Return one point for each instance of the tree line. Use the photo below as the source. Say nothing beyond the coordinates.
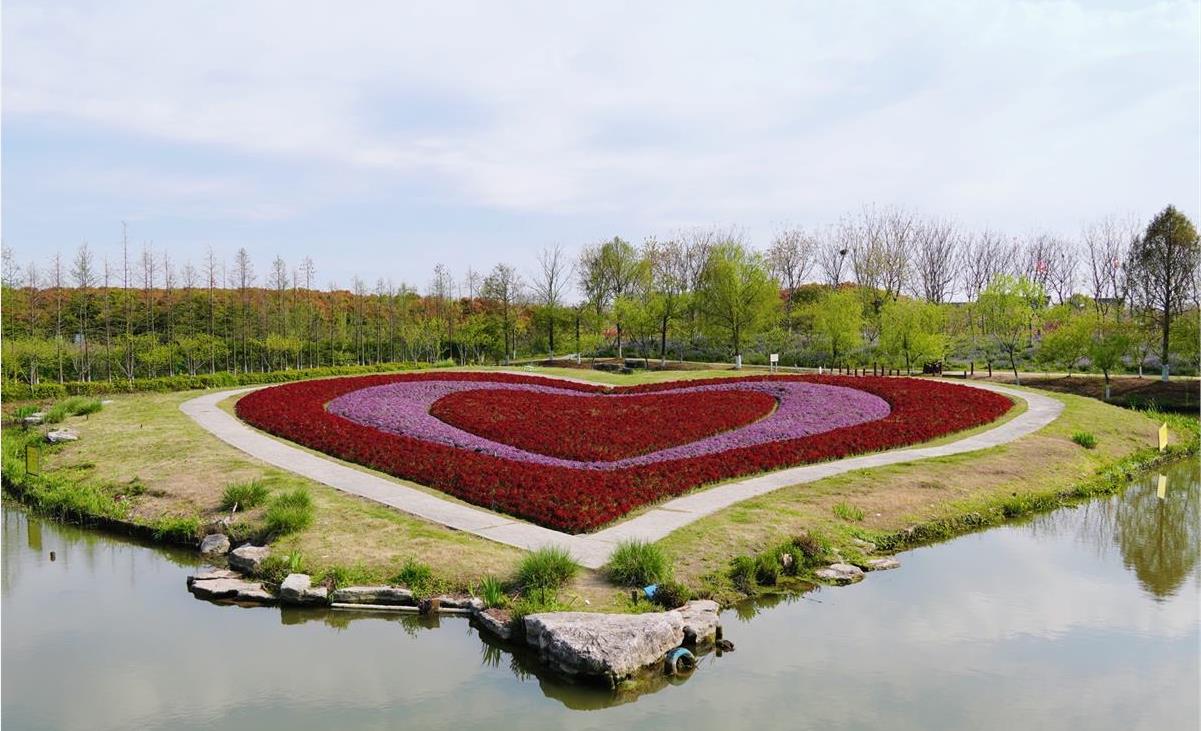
(884, 288)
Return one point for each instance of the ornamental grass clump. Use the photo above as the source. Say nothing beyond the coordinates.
(244, 495)
(547, 569)
(638, 563)
(846, 511)
(55, 414)
(418, 577)
(289, 512)
(82, 405)
(1085, 439)
(492, 591)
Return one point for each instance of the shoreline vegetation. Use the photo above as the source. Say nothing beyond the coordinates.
(142, 467)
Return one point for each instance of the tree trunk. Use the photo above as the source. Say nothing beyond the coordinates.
(663, 342)
(1164, 358)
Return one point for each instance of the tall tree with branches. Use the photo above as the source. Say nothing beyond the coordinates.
(554, 270)
(1163, 270)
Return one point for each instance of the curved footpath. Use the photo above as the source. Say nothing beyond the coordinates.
(591, 549)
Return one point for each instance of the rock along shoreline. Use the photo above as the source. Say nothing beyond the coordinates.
(587, 647)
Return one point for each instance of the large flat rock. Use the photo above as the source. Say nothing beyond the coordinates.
(299, 589)
(236, 589)
(700, 621)
(611, 647)
(249, 559)
(840, 573)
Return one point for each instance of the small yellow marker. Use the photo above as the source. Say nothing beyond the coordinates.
(33, 459)
(1163, 436)
(1162, 491)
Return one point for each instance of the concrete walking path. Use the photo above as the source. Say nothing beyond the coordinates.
(591, 549)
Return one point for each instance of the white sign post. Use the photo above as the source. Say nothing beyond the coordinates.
(775, 361)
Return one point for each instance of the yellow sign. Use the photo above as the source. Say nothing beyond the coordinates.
(33, 459)
(1163, 436)
(1162, 492)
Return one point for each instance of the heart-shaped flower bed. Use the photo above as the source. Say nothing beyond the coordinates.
(574, 456)
(595, 428)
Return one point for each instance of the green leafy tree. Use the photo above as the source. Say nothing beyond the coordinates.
(1109, 342)
(738, 297)
(912, 331)
(1185, 340)
(1007, 308)
(837, 323)
(1067, 338)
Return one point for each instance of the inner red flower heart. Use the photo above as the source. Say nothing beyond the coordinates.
(596, 428)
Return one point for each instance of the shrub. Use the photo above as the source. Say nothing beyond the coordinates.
(796, 558)
(846, 511)
(547, 568)
(289, 512)
(638, 563)
(814, 547)
(244, 495)
(767, 568)
(742, 573)
(671, 594)
(492, 591)
(1085, 439)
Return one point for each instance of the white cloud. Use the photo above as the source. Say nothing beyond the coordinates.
(1016, 115)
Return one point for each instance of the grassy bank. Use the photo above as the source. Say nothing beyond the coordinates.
(142, 465)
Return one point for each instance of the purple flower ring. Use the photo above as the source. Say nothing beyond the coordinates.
(804, 409)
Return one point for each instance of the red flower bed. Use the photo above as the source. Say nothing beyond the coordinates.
(588, 429)
(578, 499)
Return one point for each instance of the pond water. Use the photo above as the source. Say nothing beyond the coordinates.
(1081, 618)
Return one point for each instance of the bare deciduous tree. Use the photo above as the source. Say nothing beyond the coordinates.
(984, 256)
(1107, 243)
(83, 271)
(832, 252)
(790, 258)
(880, 254)
(1051, 263)
(936, 260)
(504, 285)
(554, 269)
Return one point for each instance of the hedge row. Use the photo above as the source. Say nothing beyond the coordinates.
(14, 391)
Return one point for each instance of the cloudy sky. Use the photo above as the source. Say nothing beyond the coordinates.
(382, 139)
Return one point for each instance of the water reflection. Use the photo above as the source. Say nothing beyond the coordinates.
(1083, 618)
(1159, 540)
